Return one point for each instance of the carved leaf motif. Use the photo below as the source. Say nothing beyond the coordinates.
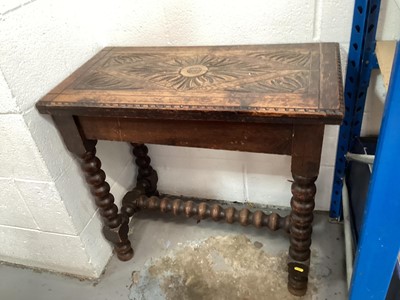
(296, 58)
(174, 74)
(126, 59)
(100, 81)
(201, 72)
(282, 84)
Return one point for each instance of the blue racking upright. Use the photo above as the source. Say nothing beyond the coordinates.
(379, 244)
(361, 61)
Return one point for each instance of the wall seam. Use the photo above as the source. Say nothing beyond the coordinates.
(31, 181)
(18, 109)
(245, 183)
(17, 7)
(39, 231)
(317, 20)
(53, 179)
(26, 205)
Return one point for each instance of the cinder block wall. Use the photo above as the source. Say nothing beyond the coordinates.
(47, 218)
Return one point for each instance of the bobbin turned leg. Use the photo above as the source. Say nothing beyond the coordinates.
(303, 190)
(146, 182)
(147, 177)
(306, 153)
(115, 225)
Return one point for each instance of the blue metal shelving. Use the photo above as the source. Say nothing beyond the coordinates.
(361, 61)
(379, 243)
(380, 235)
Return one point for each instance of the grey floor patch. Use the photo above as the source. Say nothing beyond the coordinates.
(178, 258)
(222, 267)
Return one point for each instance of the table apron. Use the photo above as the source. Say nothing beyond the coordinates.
(249, 137)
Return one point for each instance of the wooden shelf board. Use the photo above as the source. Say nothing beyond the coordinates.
(385, 54)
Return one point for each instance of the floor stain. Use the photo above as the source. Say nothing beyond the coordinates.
(258, 245)
(222, 267)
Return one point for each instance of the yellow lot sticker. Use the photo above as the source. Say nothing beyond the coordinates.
(298, 269)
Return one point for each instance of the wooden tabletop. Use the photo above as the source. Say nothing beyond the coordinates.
(284, 83)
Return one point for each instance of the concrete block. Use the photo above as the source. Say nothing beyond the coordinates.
(13, 210)
(263, 179)
(324, 188)
(34, 42)
(56, 252)
(115, 157)
(125, 181)
(49, 142)
(269, 188)
(7, 101)
(19, 156)
(165, 152)
(268, 179)
(328, 155)
(336, 20)
(76, 196)
(96, 246)
(199, 177)
(46, 206)
(389, 21)
(331, 131)
(230, 22)
(8, 5)
(140, 23)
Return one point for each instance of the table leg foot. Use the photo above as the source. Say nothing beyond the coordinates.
(124, 251)
(119, 238)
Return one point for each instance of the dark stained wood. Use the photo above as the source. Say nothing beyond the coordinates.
(235, 83)
(203, 210)
(264, 98)
(147, 177)
(115, 227)
(251, 137)
(72, 136)
(306, 149)
(306, 155)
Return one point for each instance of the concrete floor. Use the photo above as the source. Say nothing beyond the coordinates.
(180, 259)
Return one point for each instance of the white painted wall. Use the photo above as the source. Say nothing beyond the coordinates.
(47, 218)
(222, 174)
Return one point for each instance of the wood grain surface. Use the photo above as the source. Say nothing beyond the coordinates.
(263, 98)
(251, 137)
(237, 83)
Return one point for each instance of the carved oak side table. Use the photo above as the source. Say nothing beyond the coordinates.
(264, 98)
